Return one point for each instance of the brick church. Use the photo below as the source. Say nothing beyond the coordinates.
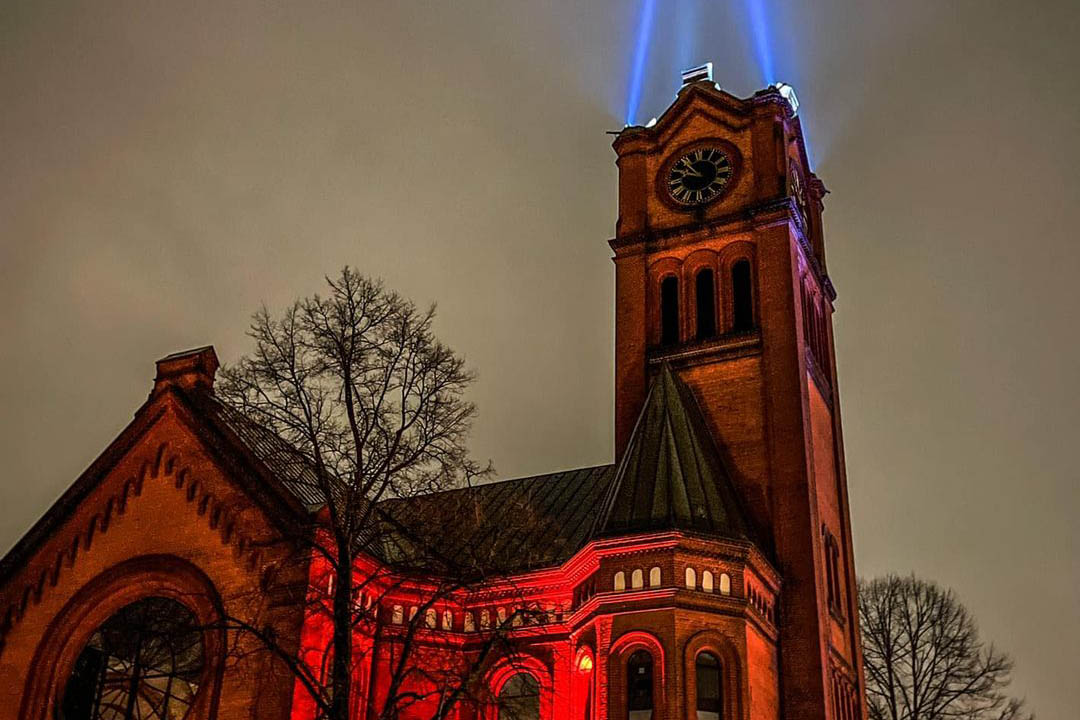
(706, 573)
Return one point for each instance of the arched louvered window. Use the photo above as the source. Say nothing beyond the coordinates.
(519, 698)
(669, 310)
(639, 686)
(742, 294)
(705, 294)
(707, 670)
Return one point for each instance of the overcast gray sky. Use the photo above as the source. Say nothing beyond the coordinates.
(166, 167)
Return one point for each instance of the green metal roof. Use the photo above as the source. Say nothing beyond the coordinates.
(671, 476)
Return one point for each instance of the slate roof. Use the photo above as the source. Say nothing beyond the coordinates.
(671, 476)
(508, 526)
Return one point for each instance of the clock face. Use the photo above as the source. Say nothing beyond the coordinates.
(699, 176)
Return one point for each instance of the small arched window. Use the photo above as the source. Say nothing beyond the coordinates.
(637, 579)
(398, 615)
(469, 624)
(691, 579)
(519, 698)
(500, 614)
(430, 618)
(654, 577)
(447, 620)
(485, 619)
(669, 310)
(412, 612)
(742, 296)
(707, 669)
(725, 584)
(620, 581)
(705, 290)
(707, 581)
(639, 686)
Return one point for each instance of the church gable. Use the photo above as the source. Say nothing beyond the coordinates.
(160, 488)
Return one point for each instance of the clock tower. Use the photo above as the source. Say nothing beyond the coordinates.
(721, 277)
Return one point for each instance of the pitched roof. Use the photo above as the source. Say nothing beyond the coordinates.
(671, 476)
(504, 527)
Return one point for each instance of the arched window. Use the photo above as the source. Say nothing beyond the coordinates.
(637, 579)
(485, 619)
(620, 581)
(430, 618)
(742, 295)
(707, 669)
(500, 614)
(707, 581)
(669, 310)
(469, 624)
(654, 577)
(706, 304)
(725, 584)
(691, 579)
(146, 661)
(398, 615)
(639, 686)
(519, 698)
(447, 620)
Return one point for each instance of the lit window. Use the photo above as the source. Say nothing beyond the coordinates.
(725, 584)
(654, 577)
(485, 620)
(637, 579)
(430, 618)
(146, 661)
(447, 620)
(707, 581)
(620, 581)
(398, 615)
(691, 579)
(469, 622)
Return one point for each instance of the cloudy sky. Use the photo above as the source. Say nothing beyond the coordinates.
(167, 167)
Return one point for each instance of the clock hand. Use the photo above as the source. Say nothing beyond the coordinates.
(688, 169)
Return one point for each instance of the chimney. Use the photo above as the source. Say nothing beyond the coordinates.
(694, 74)
(189, 370)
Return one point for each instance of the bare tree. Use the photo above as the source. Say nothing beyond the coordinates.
(357, 382)
(923, 657)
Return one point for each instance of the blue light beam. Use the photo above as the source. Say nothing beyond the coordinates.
(641, 53)
(759, 29)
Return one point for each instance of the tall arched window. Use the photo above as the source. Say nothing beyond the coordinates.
(639, 686)
(637, 579)
(725, 584)
(707, 669)
(654, 577)
(742, 295)
(669, 310)
(519, 698)
(620, 581)
(146, 661)
(706, 304)
(691, 579)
